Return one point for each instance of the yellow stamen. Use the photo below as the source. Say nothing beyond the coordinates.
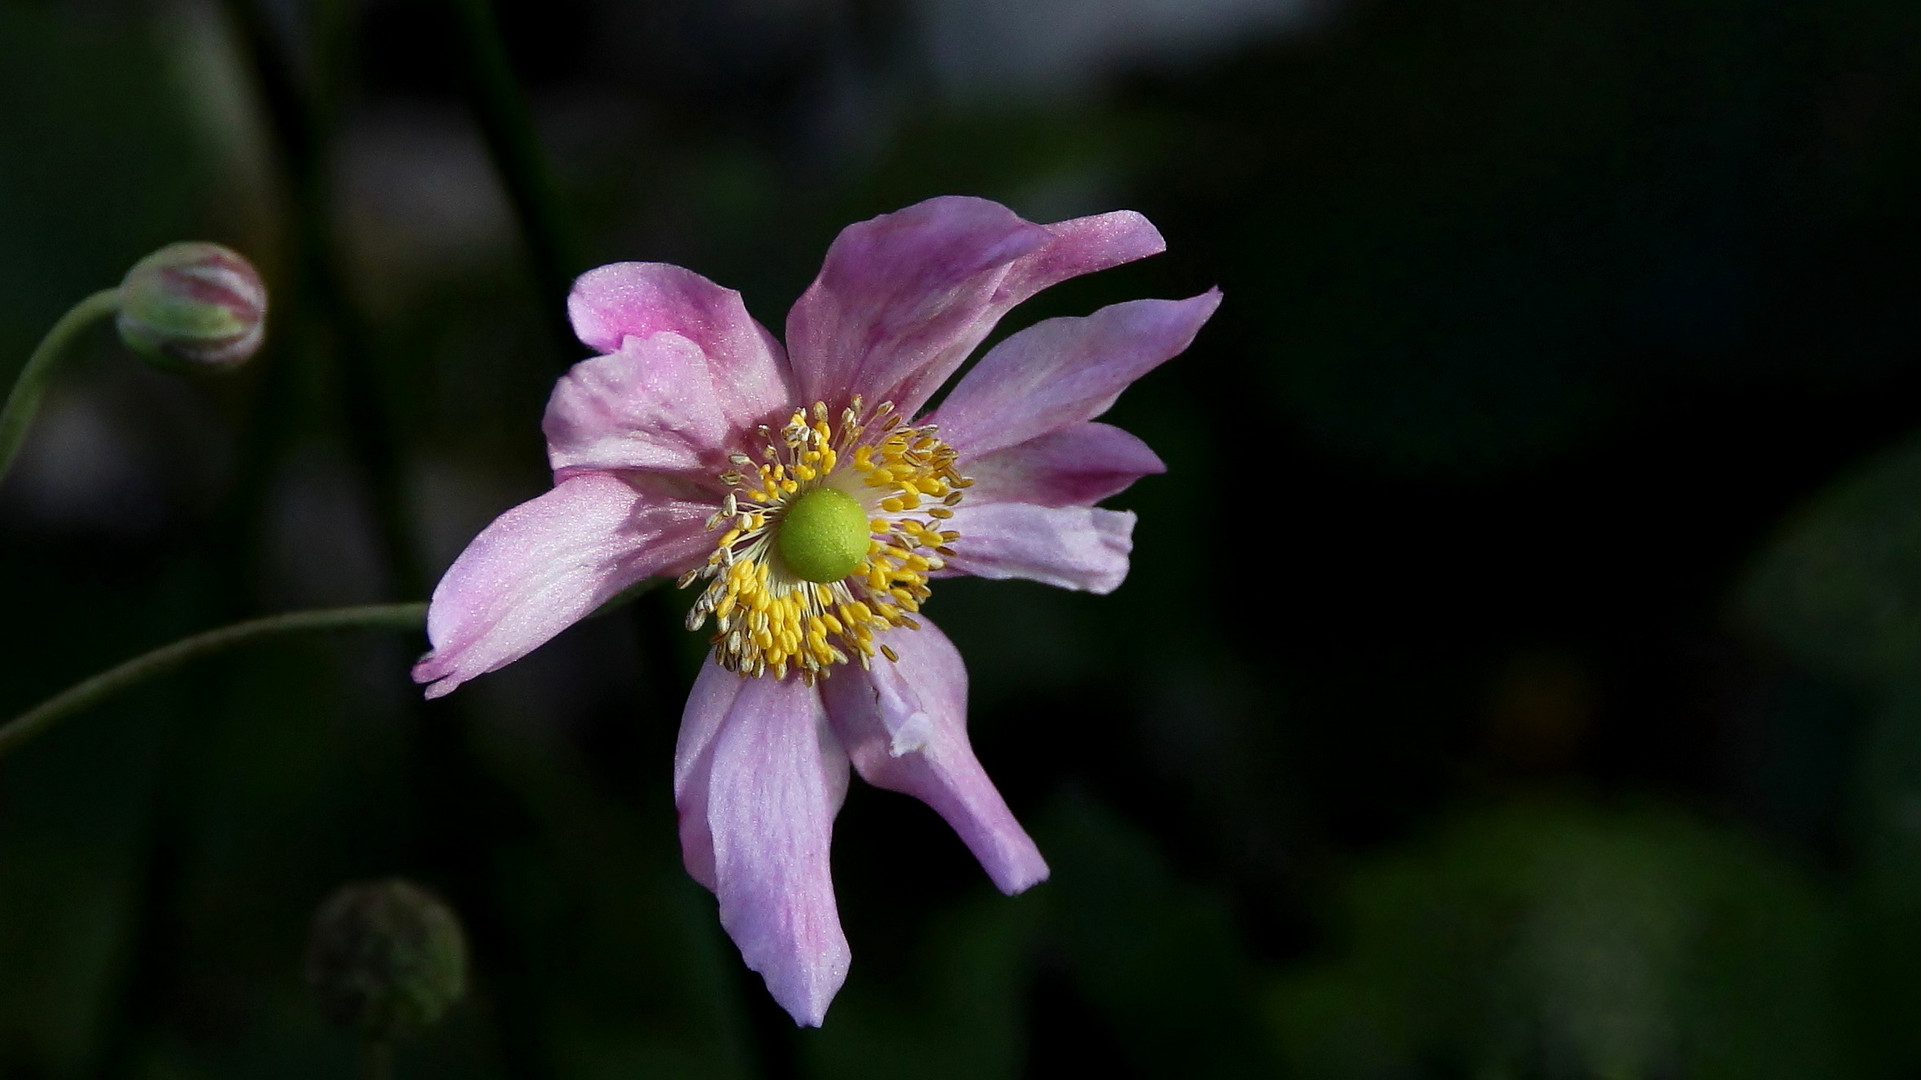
(768, 619)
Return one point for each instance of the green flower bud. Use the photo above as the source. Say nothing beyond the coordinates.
(193, 306)
(386, 958)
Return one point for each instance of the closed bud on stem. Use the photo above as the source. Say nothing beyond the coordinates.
(386, 959)
(193, 306)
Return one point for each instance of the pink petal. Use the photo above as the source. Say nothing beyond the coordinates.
(1081, 246)
(651, 405)
(902, 299)
(1079, 465)
(905, 727)
(1074, 547)
(638, 300)
(1061, 371)
(548, 562)
(708, 704)
(760, 764)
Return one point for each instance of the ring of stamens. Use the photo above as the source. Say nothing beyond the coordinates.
(768, 619)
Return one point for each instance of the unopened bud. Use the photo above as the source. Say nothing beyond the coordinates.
(193, 306)
(386, 958)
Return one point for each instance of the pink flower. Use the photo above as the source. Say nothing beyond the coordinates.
(799, 488)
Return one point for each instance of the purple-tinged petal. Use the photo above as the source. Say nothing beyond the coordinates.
(903, 298)
(1081, 246)
(905, 727)
(638, 300)
(548, 562)
(768, 774)
(1074, 547)
(1061, 371)
(1079, 465)
(708, 704)
(650, 405)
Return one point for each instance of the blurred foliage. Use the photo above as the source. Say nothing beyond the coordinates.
(1560, 939)
(1517, 676)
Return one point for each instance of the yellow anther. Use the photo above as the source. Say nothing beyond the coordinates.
(769, 620)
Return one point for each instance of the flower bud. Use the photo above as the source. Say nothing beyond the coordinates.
(193, 306)
(386, 958)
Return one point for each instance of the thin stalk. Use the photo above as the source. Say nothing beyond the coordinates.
(31, 386)
(95, 689)
(508, 127)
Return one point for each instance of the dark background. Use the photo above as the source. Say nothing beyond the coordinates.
(1517, 676)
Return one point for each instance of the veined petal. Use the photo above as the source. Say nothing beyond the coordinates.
(774, 777)
(902, 298)
(1081, 246)
(905, 727)
(1074, 547)
(650, 405)
(708, 704)
(612, 303)
(1079, 465)
(546, 563)
(1061, 371)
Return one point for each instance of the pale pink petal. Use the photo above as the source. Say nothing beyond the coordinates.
(902, 299)
(1080, 246)
(775, 777)
(1061, 371)
(708, 704)
(1079, 465)
(546, 563)
(1074, 547)
(905, 727)
(650, 405)
(638, 300)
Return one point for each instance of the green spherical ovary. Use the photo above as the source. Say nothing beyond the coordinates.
(823, 535)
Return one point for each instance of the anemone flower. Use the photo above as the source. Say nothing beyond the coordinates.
(805, 493)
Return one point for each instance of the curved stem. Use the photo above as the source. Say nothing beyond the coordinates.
(17, 415)
(91, 691)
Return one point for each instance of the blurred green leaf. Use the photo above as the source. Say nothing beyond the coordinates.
(1555, 939)
(1840, 586)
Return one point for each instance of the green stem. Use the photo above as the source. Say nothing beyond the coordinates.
(32, 383)
(508, 128)
(91, 691)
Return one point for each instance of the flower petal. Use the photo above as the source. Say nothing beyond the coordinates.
(903, 297)
(766, 772)
(650, 405)
(1081, 246)
(905, 727)
(548, 562)
(1061, 371)
(708, 704)
(1079, 465)
(1074, 547)
(612, 303)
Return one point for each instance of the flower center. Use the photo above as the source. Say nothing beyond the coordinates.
(823, 535)
(829, 540)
